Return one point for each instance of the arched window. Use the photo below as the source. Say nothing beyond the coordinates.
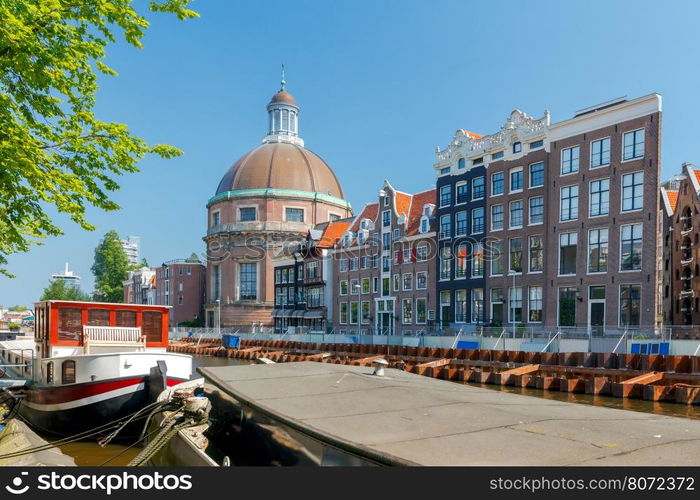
(276, 126)
(666, 291)
(687, 219)
(666, 265)
(49, 372)
(461, 163)
(285, 120)
(68, 372)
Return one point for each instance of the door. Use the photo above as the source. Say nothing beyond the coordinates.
(497, 313)
(596, 309)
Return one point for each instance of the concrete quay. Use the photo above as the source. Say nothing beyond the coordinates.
(409, 419)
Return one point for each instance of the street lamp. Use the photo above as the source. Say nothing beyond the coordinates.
(218, 318)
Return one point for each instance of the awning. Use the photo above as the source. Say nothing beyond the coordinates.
(276, 313)
(286, 313)
(298, 314)
(314, 314)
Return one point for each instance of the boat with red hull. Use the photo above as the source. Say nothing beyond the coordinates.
(92, 363)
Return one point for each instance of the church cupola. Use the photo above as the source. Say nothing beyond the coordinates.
(283, 117)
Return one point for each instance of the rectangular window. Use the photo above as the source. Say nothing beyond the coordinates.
(386, 263)
(343, 265)
(567, 253)
(421, 280)
(375, 284)
(445, 263)
(215, 219)
(598, 251)
(460, 306)
(631, 247)
(365, 312)
(536, 144)
(497, 306)
(364, 262)
(537, 174)
(496, 258)
(629, 305)
(445, 226)
(536, 260)
(446, 195)
(632, 191)
(534, 304)
(516, 255)
(294, 214)
(216, 285)
(497, 183)
(246, 214)
(567, 306)
(496, 217)
(386, 218)
(344, 287)
(477, 260)
(343, 313)
(70, 323)
(516, 180)
(477, 305)
(516, 214)
(462, 192)
(397, 283)
(536, 212)
(568, 208)
(633, 145)
(515, 307)
(421, 307)
(569, 160)
(98, 317)
(365, 285)
(385, 287)
(599, 198)
(354, 313)
(497, 155)
(517, 147)
(422, 253)
(461, 264)
(386, 241)
(477, 220)
(407, 307)
(600, 153)
(460, 223)
(478, 188)
(408, 282)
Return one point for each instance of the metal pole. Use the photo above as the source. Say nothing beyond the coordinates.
(512, 305)
(218, 318)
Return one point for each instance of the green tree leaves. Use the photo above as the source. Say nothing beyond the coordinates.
(53, 149)
(110, 269)
(58, 289)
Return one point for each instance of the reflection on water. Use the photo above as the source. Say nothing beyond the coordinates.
(670, 409)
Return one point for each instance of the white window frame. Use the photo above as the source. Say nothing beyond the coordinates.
(622, 192)
(590, 198)
(590, 158)
(622, 149)
(559, 247)
(238, 212)
(503, 181)
(529, 248)
(303, 209)
(483, 217)
(561, 201)
(457, 186)
(510, 214)
(529, 175)
(641, 264)
(529, 211)
(503, 217)
(529, 303)
(588, 250)
(510, 178)
(483, 178)
(578, 165)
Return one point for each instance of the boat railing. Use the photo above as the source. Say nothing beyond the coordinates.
(113, 336)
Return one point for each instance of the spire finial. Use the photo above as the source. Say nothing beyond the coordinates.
(283, 81)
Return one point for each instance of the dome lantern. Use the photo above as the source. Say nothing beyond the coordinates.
(283, 121)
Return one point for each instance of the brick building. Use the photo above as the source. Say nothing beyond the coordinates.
(571, 217)
(181, 284)
(304, 284)
(383, 266)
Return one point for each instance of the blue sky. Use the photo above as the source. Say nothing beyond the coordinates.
(380, 84)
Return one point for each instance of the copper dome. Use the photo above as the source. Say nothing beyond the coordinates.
(281, 166)
(283, 97)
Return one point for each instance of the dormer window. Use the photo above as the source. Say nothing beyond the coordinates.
(445, 170)
(497, 155)
(424, 225)
(461, 163)
(386, 200)
(478, 161)
(517, 147)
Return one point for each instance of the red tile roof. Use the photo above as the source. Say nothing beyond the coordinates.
(332, 233)
(369, 212)
(419, 200)
(697, 175)
(672, 199)
(402, 203)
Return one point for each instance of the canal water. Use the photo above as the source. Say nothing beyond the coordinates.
(87, 453)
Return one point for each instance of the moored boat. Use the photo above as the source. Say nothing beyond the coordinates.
(92, 363)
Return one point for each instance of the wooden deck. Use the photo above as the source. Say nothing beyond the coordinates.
(408, 419)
